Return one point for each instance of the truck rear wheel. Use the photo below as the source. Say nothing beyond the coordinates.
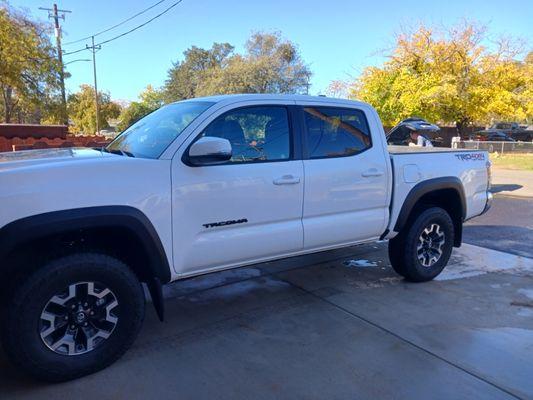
(422, 250)
(72, 317)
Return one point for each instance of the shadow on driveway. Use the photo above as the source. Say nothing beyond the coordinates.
(505, 188)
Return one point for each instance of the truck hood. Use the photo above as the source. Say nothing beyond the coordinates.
(29, 158)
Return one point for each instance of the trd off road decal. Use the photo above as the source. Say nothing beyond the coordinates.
(471, 157)
(224, 223)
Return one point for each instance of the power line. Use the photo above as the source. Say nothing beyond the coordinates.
(79, 59)
(67, 53)
(143, 24)
(131, 30)
(117, 25)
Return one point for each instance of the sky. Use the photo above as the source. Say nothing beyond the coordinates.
(336, 38)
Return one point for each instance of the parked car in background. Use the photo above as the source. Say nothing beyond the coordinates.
(506, 132)
(399, 135)
(491, 136)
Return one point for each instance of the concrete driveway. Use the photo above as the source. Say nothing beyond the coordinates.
(336, 325)
(512, 182)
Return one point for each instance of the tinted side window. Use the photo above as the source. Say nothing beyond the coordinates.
(255, 133)
(336, 132)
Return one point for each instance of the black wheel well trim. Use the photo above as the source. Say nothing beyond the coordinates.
(426, 187)
(32, 228)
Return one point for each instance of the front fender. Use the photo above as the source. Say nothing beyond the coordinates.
(32, 228)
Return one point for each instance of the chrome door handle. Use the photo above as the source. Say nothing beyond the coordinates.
(371, 172)
(286, 180)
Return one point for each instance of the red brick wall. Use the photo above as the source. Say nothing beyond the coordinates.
(24, 131)
(17, 143)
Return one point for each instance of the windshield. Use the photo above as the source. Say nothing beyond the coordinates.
(151, 135)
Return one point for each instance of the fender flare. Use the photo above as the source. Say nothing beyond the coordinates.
(55, 222)
(425, 187)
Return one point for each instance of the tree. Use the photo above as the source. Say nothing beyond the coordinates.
(269, 65)
(337, 89)
(185, 77)
(29, 71)
(82, 110)
(448, 77)
(150, 100)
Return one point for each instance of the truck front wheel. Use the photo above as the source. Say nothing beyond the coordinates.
(422, 250)
(72, 317)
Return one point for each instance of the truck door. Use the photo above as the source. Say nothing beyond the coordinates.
(248, 209)
(346, 179)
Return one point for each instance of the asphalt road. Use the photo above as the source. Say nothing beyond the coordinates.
(508, 226)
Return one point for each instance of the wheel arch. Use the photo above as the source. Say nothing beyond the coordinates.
(122, 231)
(445, 192)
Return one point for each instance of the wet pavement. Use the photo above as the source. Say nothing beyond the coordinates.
(335, 325)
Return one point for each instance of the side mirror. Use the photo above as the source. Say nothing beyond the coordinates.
(210, 151)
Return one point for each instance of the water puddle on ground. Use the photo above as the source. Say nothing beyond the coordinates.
(469, 261)
(526, 292)
(359, 263)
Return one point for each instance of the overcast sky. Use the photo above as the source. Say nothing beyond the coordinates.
(337, 38)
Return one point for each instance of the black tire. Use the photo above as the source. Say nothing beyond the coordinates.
(403, 252)
(396, 246)
(21, 329)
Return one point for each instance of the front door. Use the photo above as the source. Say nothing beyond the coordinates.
(248, 209)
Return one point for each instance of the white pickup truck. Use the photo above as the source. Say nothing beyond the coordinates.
(204, 185)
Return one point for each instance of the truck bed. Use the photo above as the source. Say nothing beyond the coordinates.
(413, 165)
(417, 150)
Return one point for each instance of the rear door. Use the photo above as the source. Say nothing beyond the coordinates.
(346, 177)
(248, 209)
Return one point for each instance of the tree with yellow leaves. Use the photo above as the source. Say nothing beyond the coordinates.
(449, 77)
(82, 110)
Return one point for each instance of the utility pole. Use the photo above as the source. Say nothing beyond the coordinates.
(54, 13)
(93, 48)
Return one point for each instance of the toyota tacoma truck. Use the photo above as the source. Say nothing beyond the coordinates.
(204, 185)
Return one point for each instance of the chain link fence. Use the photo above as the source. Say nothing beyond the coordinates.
(495, 147)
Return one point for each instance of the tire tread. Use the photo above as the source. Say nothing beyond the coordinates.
(22, 294)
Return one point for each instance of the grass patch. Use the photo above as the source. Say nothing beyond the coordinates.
(513, 161)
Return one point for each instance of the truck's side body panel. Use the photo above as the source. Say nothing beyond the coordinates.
(316, 214)
(411, 168)
(346, 199)
(230, 215)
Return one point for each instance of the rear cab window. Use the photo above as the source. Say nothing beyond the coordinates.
(335, 131)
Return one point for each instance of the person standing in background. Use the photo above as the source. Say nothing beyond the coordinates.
(420, 140)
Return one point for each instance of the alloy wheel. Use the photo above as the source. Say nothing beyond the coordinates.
(430, 243)
(79, 319)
